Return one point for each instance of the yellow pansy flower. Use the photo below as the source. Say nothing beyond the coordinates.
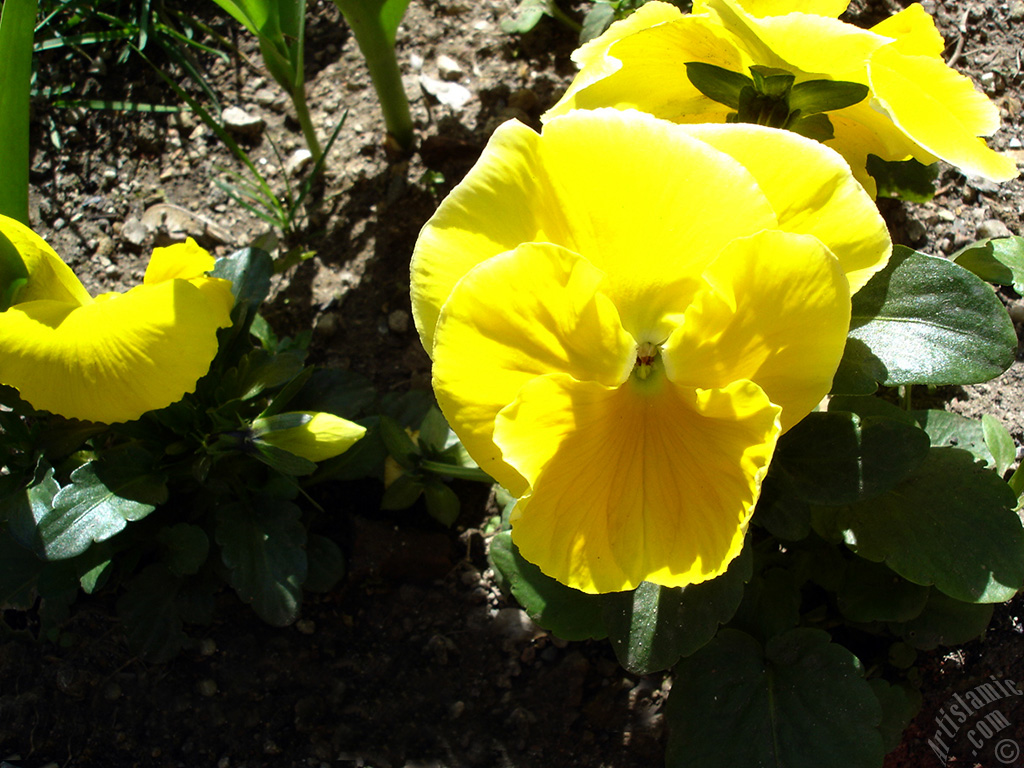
(916, 105)
(313, 435)
(624, 314)
(114, 357)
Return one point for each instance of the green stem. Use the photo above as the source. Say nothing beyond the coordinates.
(379, 53)
(451, 470)
(306, 123)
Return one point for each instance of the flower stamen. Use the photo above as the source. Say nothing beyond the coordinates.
(646, 354)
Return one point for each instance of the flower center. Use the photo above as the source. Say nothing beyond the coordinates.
(646, 354)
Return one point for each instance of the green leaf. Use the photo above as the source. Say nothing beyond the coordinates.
(402, 493)
(344, 393)
(598, 19)
(100, 501)
(770, 605)
(998, 261)
(717, 83)
(951, 524)
(812, 96)
(249, 271)
(149, 612)
(999, 443)
(817, 127)
(944, 621)
(283, 461)
(925, 320)
(905, 179)
(391, 14)
(434, 431)
(19, 569)
(17, 27)
(872, 592)
(400, 446)
(326, 564)
(442, 503)
(800, 702)
(527, 15)
(24, 509)
(839, 458)
(186, 548)
(563, 611)
(900, 704)
(955, 431)
(262, 544)
(652, 627)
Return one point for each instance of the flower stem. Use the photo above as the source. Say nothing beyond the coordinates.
(379, 53)
(452, 470)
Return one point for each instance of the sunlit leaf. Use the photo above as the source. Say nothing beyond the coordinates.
(944, 621)
(925, 320)
(998, 260)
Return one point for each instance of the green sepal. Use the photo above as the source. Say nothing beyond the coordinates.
(800, 701)
(717, 83)
(813, 96)
(908, 180)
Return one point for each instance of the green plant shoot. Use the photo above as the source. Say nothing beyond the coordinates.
(280, 27)
(374, 24)
(17, 21)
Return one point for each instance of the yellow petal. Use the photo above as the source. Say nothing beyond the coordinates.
(48, 276)
(812, 191)
(914, 32)
(646, 71)
(592, 58)
(629, 486)
(776, 312)
(185, 260)
(941, 110)
(113, 359)
(780, 7)
(502, 202)
(532, 311)
(321, 436)
(575, 186)
(817, 46)
(652, 232)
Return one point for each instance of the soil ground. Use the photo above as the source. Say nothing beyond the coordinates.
(416, 660)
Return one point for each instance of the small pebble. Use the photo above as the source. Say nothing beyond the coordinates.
(993, 228)
(398, 321)
(207, 687)
(448, 68)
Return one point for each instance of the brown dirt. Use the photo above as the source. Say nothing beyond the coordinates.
(417, 660)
